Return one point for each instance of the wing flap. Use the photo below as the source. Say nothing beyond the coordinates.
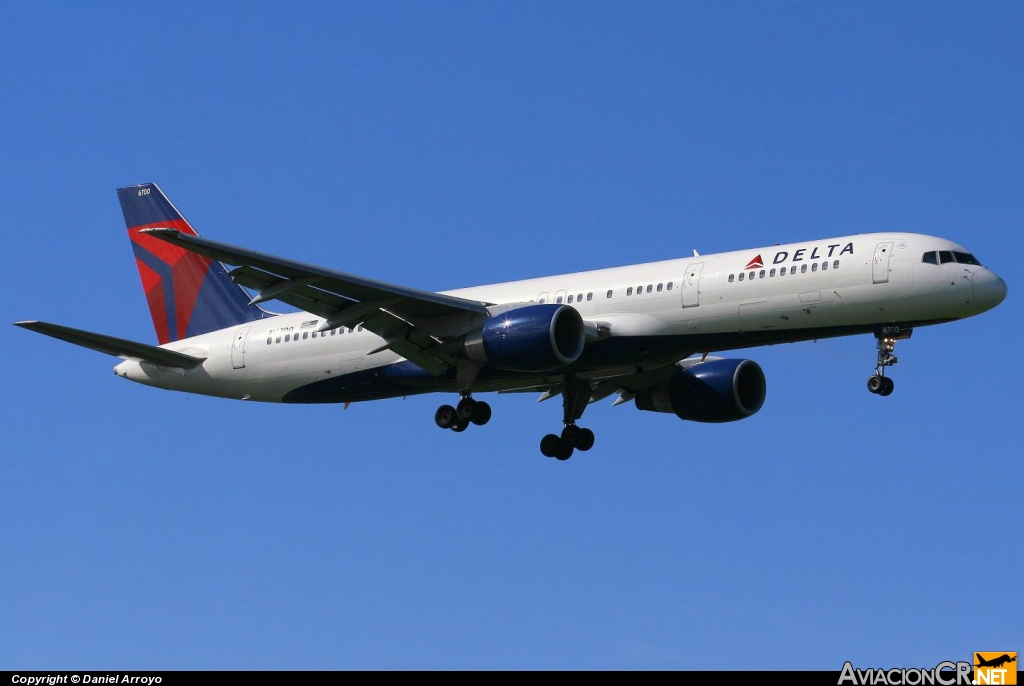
(118, 347)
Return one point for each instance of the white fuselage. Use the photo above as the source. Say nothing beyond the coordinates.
(830, 287)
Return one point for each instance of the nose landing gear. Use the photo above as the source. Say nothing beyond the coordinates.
(887, 336)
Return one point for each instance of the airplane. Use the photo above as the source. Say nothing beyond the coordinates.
(643, 332)
(994, 662)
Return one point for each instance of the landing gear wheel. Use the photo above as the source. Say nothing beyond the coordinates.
(465, 409)
(564, 450)
(570, 434)
(459, 427)
(481, 413)
(887, 386)
(549, 445)
(585, 440)
(876, 383)
(445, 417)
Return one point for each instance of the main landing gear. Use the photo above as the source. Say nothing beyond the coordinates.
(887, 336)
(575, 396)
(468, 411)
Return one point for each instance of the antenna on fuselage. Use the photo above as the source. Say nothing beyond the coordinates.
(695, 253)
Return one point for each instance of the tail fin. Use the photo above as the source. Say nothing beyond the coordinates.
(188, 294)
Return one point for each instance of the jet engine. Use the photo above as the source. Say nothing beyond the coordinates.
(532, 338)
(713, 391)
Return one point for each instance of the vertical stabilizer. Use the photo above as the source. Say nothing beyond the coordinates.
(188, 294)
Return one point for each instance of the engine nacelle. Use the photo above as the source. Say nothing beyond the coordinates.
(532, 338)
(714, 391)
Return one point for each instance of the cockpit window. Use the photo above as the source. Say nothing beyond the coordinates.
(965, 258)
(945, 256)
(930, 257)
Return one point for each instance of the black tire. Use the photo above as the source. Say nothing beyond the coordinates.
(481, 413)
(564, 450)
(585, 440)
(445, 416)
(465, 410)
(459, 427)
(570, 434)
(549, 445)
(876, 383)
(888, 385)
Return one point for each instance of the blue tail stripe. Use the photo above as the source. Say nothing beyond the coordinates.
(220, 304)
(145, 204)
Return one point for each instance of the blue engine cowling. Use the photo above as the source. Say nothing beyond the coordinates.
(715, 391)
(532, 338)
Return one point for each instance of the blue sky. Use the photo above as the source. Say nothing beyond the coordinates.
(450, 144)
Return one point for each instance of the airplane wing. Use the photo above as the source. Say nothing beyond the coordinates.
(406, 318)
(118, 347)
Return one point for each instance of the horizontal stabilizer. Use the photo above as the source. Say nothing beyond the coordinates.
(118, 347)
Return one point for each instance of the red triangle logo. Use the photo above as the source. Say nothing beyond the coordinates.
(755, 263)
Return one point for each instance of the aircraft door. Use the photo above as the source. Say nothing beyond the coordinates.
(691, 284)
(238, 348)
(880, 264)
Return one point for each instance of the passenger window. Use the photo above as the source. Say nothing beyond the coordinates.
(270, 340)
(824, 266)
(590, 296)
(731, 278)
(579, 297)
(359, 328)
(558, 300)
(803, 268)
(835, 265)
(659, 288)
(771, 273)
(629, 291)
(741, 275)
(278, 339)
(762, 274)
(609, 294)
(649, 288)
(287, 337)
(639, 290)
(782, 272)
(945, 256)
(750, 277)
(930, 257)
(668, 286)
(570, 300)
(814, 267)
(542, 300)
(305, 335)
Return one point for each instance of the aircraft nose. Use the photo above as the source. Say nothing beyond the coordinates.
(989, 289)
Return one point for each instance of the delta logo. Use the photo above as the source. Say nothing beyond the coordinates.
(995, 668)
(817, 252)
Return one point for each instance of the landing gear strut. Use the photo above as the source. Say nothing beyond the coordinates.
(575, 396)
(468, 411)
(887, 336)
